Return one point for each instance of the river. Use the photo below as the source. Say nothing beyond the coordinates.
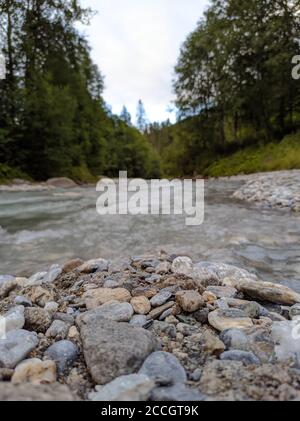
(38, 229)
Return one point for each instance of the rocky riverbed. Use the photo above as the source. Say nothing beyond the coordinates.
(153, 328)
(272, 190)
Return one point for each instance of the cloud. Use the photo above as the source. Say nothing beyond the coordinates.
(136, 45)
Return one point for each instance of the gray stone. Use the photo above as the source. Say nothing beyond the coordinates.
(235, 339)
(177, 393)
(131, 388)
(58, 330)
(16, 346)
(113, 349)
(36, 279)
(164, 368)
(64, 354)
(54, 272)
(255, 310)
(115, 311)
(20, 300)
(201, 316)
(41, 393)
(222, 292)
(67, 318)
(182, 266)
(6, 278)
(14, 319)
(139, 321)
(242, 356)
(96, 265)
(161, 298)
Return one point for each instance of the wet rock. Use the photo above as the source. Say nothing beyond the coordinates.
(97, 297)
(58, 330)
(114, 349)
(115, 311)
(228, 319)
(235, 339)
(37, 319)
(177, 393)
(190, 301)
(20, 300)
(14, 319)
(266, 291)
(72, 265)
(131, 388)
(222, 292)
(182, 266)
(41, 393)
(161, 298)
(93, 266)
(141, 305)
(16, 346)
(64, 354)
(35, 371)
(164, 368)
(157, 312)
(242, 356)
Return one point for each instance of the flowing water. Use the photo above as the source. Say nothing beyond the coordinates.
(38, 229)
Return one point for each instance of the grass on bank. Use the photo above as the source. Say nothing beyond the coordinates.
(271, 157)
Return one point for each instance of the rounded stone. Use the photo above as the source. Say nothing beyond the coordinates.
(242, 356)
(35, 371)
(64, 354)
(235, 339)
(190, 301)
(97, 297)
(228, 319)
(141, 305)
(164, 368)
(182, 266)
(37, 319)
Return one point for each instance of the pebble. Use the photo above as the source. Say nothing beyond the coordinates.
(20, 300)
(14, 319)
(201, 316)
(212, 344)
(222, 292)
(93, 266)
(164, 368)
(37, 319)
(35, 371)
(228, 319)
(242, 356)
(235, 339)
(190, 301)
(163, 268)
(64, 354)
(139, 321)
(294, 311)
(58, 330)
(72, 265)
(182, 266)
(67, 318)
(115, 311)
(41, 296)
(209, 297)
(131, 388)
(176, 393)
(161, 298)
(16, 346)
(157, 312)
(141, 305)
(52, 307)
(51, 276)
(97, 297)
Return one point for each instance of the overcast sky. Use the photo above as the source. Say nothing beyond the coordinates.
(136, 45)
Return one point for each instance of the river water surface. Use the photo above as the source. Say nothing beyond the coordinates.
(38, 229)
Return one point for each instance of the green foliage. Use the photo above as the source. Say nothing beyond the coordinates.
(271, 157)
(7, 174)
(233, 85)
(53, 120)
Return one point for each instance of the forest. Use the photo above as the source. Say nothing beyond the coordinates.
(238, 106)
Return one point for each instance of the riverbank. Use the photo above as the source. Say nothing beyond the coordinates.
(155, 327)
